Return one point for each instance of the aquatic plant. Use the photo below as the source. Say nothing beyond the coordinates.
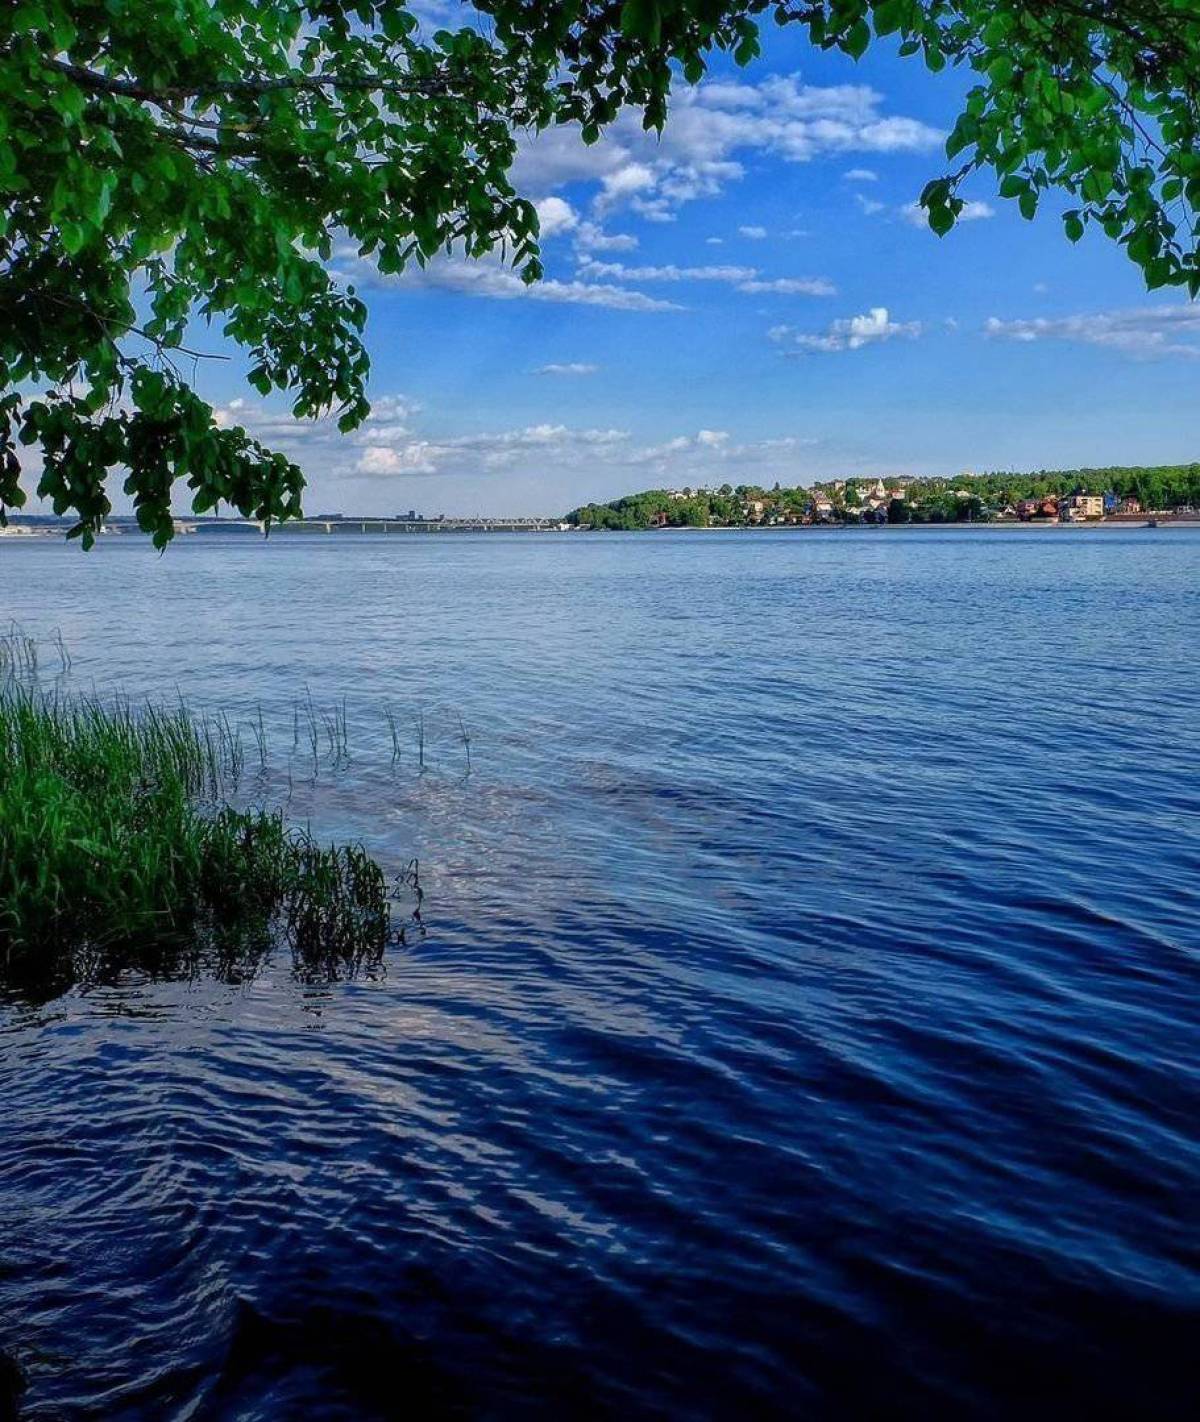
(112, 833)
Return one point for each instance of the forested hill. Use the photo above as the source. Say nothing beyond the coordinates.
(907, 499)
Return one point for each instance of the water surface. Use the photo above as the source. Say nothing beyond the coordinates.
(805, 1022)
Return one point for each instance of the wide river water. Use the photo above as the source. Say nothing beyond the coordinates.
(805, 1022)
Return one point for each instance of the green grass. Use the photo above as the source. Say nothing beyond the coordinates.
(113, 838)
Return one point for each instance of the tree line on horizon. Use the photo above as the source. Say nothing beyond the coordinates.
(927, 500)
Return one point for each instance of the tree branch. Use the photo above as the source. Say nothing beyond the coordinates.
(305, 83)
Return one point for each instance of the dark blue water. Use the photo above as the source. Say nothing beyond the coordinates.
(806, 1021)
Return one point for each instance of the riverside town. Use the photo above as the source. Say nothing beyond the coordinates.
(1169, 493)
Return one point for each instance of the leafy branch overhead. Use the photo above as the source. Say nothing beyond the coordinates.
(163, 161)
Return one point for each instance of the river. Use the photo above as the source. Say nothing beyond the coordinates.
(802, 1021)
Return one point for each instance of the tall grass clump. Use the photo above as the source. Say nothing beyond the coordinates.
(111, 834)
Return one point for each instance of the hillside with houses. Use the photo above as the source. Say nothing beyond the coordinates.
(1063, 496)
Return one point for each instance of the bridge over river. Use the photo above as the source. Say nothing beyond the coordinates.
(344, 525)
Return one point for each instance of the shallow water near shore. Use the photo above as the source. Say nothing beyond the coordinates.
(801, 1019)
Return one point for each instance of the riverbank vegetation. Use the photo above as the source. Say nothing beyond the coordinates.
(895, 499)
(114, 839)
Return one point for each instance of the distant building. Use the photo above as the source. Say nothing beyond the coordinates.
(754, 509)
(1131, 506)
(821, 507)
(658, 520)
(1078, 508)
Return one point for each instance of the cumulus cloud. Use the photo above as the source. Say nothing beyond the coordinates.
(851, 333)
(861, 175)
(555, 215)
(622, 182)
(1143, 333)
(714, 127)
(571, 367)
(756, 234)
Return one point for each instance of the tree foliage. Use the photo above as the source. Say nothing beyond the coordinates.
(164, 162)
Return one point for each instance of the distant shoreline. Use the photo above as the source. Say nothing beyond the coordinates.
(368, 527)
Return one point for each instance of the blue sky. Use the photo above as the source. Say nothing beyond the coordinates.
(752, 299)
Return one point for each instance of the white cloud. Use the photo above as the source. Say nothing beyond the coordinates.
(790, 286)
(869, 205)
(414, 458)
(389, 460)
(556, 215)
(571, 367)
(488, 277)
(713, 127)
(756, 234)
(1144, 333)
(747, 279)
(713, 455)
(916, 216)
(715, 241)
(491, 453)
(623, 182)
(851, 333)
(619, 271)
(861, 175)
(591, 237)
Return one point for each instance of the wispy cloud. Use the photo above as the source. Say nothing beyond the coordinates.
(571, 367)
(591, 237)
(487, 277)
(748, 279)
(756, 234)
(790, 286)
(861, 175)
(669, 272)
(851, 333)
(1143, 333)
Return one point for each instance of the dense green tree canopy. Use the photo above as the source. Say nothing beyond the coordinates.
(163, 160)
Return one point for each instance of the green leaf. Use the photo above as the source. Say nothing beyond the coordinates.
(74, 236)
(857, 39)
